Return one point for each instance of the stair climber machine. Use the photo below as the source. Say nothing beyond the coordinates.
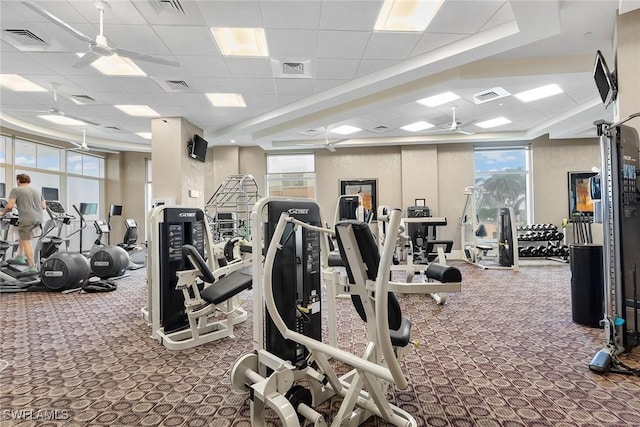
(105, 261)
(289, 372)
(60, 270)
(193, 295)
(13, 277)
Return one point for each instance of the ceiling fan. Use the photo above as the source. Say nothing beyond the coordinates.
(79, 146)
(454, 126)
(310, 143)
(98, 47)
(55, 111)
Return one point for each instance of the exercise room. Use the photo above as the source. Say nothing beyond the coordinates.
(320, 213)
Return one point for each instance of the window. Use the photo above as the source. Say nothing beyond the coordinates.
(504, 174)
(5, 141)
(85, 164)
(291, 175)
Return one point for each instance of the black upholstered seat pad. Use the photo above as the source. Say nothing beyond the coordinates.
(228, 286)
(335, 260)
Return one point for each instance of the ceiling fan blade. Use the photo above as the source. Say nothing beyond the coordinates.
(59, 22)
(465, 132)
(144, 57)
(86, 59)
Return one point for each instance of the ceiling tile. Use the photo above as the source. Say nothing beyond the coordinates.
(432, 41)
(290, 14)
(464, 16)
(185, 40)
(286, 44)
(342, 44)
(357, 15)
(336, 69)
(368, 66)
(244, 68)
(232, 14)
(396, 46)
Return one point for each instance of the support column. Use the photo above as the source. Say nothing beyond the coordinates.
(175, 175)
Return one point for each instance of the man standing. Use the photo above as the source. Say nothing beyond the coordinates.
(30, 205)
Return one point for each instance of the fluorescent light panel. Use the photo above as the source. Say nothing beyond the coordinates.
(437, 100)
(226, 99)
(138, 110)
(17, 83)
(407, 15)
(417, 126)
(241, 41)
(539, 93)
(115, 65)
(498, 121)
(345, 130)
(144, 135)
(62, 120)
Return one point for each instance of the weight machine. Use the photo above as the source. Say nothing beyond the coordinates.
(620, 181)
(474, 250)
(191, 301)
(287, 335)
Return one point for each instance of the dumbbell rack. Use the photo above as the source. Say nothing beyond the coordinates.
(542, 241)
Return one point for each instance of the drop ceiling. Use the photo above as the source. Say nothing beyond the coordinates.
(350, 74)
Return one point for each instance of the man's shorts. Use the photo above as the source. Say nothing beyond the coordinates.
(26, 229)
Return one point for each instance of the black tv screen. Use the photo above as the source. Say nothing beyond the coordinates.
(198, 148)
(88, 208)
(605, 81)
(115, 210)
(50, 193)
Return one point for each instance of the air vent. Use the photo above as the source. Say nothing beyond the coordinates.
(26, 37)
(291, 69)
(490, 95)
(177, 84)
(380, 129)
(312, 132)
(82, 99)
(171, 6)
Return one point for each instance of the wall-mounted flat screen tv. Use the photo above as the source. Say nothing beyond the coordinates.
(198, 148)
(50, 193)
(605, 80)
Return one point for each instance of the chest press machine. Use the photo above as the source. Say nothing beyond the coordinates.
(270, 374)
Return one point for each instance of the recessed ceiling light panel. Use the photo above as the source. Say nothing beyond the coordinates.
(241, 41)
(144, 135)
(437, 100)
(345, 130)
(138, 110)
(498, 121)
(417, 126)
(62, 120)
(407, 15)
(539, 93)
(114, 65)
(226, 99)
(17, 83)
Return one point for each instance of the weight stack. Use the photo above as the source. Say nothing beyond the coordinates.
(64, 270)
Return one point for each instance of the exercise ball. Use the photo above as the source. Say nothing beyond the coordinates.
(109, 261)
(64, 270)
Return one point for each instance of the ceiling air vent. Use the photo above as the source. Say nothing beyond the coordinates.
(312, 132)
(172, 6)
(177, 84)
(490, 95)
(82, 99)
(25, 37)
(380, 129)
(291, 69)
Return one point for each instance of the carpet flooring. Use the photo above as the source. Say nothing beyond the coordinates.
(503, 352)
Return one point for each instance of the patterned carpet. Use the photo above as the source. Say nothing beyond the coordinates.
(503, 352)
